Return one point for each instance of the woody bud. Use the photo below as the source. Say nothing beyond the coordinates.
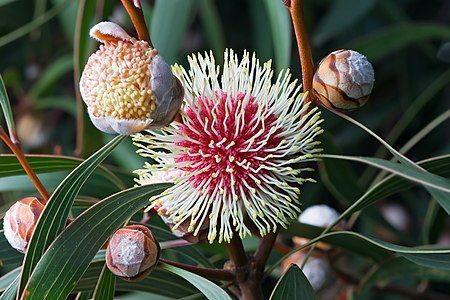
(132, 252)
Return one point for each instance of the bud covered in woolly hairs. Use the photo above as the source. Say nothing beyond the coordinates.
(126, 85)
(343, 80)
(132, 252)
(20, 220)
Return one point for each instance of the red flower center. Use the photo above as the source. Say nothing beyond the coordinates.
(227, 140)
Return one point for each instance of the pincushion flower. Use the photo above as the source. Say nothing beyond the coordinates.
(240, 147)
(126, 85)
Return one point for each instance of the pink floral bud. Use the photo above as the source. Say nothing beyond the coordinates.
(20, 220)
(126, 85)
(132, 252)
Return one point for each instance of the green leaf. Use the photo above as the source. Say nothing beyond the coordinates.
(58, 271)
(280, 24)
(169, 24)
(64, 103)
(212, 25)
(293, 285)
(399, 267)
(6, 109)
(4, 2)
(7, 279)
(352, 244)
(413, 174)
(10, 258)
(54, 216)
(41, 163)
(442, 196)
(394, 38)
(433, 224)
(52, 75)
(209, 289)
(105, 286)
(36, 23)
(11, 292)
(340, 16)
(158, 282)
(393, 183)
(379, 250)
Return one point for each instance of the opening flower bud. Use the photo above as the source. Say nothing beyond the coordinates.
(126, 85)
(20, 220)
(132, 252)
(343, 80)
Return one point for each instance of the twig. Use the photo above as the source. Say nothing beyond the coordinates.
(136, 14)
(304, 48)
(174, 244)
(248, 273)
(25, 165)
(214, 274)
(265, 246)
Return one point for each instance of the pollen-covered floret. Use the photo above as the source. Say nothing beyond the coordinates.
(126, 85)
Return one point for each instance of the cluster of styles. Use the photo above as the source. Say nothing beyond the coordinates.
(128, 88)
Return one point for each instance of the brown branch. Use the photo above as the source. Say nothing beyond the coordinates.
(304, 48)
(248, 272)
(236, 252)
(265, 246)
(25, 165)
(213, 274)
(136, 14)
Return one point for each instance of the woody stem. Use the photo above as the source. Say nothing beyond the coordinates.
(136, 14)
(213, 274)
(25, 165)
(304, 48)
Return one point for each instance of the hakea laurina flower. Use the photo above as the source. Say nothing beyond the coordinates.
(239, 147)
(126, 85)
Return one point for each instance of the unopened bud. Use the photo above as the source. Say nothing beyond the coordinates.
(343, 80)
(126, 85)
(132, 252)
(20, 220)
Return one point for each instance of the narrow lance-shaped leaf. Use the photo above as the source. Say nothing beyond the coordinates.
(379, 250)
(10, 166)
(280, 24)
(208, 288)
(424, 178)
(6, 109)
(105, 286)
(442, 196)
(58, 271)
(56, 211)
